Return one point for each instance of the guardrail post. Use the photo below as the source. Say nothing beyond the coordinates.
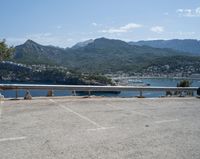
(50, 93)
(16, 93)
(28, 95)
(141, 94)
(74, 92)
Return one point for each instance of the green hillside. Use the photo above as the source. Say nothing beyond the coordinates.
(98, 56)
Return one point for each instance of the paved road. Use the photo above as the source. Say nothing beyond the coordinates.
(108, 128)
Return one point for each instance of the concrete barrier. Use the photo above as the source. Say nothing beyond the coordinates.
(1, 97)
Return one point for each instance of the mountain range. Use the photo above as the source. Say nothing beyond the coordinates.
(187, 45)
(106, 55)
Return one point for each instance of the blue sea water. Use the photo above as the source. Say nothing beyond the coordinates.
(159, 83)
(152, 82)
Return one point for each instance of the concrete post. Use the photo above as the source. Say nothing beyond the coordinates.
(50, 93)
(27, 95)
(1, 97)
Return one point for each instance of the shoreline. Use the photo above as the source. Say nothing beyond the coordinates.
(154, 77)
(113, 78)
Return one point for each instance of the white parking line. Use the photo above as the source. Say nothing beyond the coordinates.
(12, 139)
(166, 121)
(79, 115)
(102, 128)
(152, 98)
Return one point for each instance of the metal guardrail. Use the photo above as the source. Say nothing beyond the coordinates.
(89, 89)
(93, 88)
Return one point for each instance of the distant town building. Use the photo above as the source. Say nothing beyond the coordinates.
(197, 75)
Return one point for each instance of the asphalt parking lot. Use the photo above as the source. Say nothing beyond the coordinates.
(104, 128)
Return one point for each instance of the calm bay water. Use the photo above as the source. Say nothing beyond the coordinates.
(153, 82)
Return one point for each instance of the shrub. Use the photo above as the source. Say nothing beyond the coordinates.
(184, 83)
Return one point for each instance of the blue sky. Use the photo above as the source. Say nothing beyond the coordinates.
(66, 22)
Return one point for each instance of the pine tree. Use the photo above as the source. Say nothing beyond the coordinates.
(5, 50)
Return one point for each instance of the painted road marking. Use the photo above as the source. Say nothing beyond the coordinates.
(80, 116)
(12, 139)
(102, 128)
(166, 121)
(152, 98)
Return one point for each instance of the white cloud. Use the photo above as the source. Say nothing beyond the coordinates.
(189, 12)
(94, 24)
(122, 29)
(130, 26)
(197, 10)
(166, 13)
(58, 27)
(157, 29)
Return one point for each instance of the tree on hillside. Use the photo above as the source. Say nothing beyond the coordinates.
(5, 50)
